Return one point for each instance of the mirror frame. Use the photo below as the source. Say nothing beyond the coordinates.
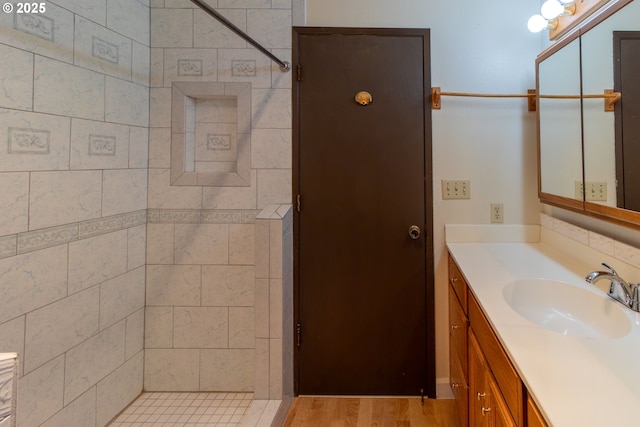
(609, 213)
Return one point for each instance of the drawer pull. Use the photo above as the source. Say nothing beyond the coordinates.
(453, 280)
(454, 327)
(458, 385)
(485, 410)
(480, 395)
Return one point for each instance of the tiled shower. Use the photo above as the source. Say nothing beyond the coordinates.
(116, 276)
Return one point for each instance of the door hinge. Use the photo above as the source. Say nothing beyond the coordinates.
(298, 203)
(299, 72)
(298, 335)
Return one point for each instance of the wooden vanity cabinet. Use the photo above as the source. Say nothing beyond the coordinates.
(487, 388)
(458, 332)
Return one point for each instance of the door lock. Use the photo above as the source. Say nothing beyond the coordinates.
(414, 232)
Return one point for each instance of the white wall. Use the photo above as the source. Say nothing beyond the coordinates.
(480, 47)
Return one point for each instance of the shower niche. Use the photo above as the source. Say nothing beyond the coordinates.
(211, 134)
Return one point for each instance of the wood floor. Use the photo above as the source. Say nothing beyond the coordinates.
(370, 412)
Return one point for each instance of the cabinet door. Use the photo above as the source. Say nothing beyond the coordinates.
(534, 417)
(501, 367)
(499, 410)
(479, 402)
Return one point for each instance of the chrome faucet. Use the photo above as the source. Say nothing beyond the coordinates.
(626, 293)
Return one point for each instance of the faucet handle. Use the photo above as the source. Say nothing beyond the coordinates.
(635, 297)
(610, 268)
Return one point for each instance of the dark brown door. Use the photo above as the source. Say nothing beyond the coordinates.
(364, 285)
(626, 70)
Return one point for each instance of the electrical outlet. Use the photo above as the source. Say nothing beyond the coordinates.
(497, 213)
(596, 191)
(456, 189)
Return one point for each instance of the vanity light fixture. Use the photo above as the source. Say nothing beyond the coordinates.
(538, 23)
(551, 9)
(562, 16)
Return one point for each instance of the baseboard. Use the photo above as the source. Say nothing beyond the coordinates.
(283, 410)
(443, 389)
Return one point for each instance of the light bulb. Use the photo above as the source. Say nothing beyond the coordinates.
(537, 23)
(551, 9)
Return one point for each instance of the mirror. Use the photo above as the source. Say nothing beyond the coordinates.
(560, 122)
(611, 59)
(592, 169)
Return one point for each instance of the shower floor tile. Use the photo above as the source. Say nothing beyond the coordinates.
(154, 409)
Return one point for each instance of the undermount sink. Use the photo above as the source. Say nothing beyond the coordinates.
(567, 309)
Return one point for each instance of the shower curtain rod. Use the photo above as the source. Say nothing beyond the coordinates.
(284, 65)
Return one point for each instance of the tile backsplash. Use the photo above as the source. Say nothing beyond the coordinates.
(596, 243)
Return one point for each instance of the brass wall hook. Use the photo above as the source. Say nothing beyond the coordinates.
(364, 98)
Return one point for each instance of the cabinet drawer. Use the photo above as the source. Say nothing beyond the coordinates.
(460, 388)
(458, 331)
(505, 374)
(456, 280)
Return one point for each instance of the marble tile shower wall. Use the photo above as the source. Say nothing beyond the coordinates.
(200, 332)
(74, 117)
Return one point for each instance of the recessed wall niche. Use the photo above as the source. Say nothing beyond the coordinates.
(211, 134)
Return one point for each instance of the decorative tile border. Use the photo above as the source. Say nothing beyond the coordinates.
(99, 226)
(178, 216)
(29, 241)
(8, 246)
(249, 217)
(133, 219)
(197, 216)
(606, 245)
(224, 217)
(47, 237)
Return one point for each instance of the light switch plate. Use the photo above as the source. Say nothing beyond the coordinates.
(456, 189)
(579, 190)
(596, 191)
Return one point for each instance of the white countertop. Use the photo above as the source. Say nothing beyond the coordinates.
(576, 382)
